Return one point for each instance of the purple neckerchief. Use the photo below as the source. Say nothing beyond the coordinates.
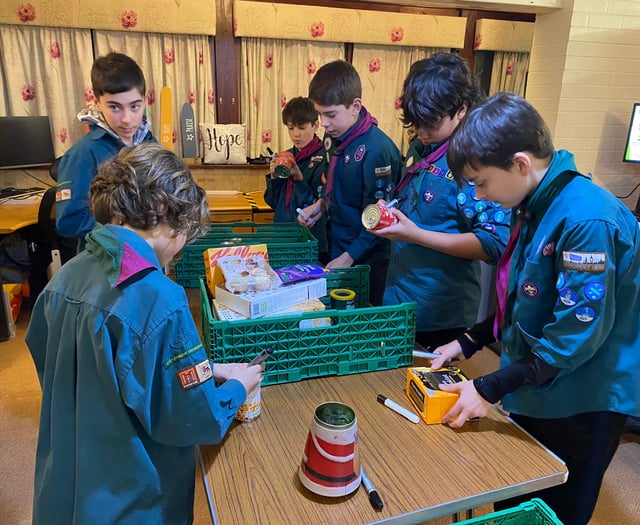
(421, 164)
(502, 278)
(314, 145)
(131, 264)
(366, 121)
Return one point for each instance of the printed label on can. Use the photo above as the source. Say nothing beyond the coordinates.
(377, 216)
(251, 408)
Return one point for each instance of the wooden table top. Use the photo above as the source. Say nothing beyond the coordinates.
(16, 214)
(421, 471)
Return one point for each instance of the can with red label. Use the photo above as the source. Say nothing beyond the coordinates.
(377, 216)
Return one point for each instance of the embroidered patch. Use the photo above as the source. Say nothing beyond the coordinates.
(594, 290)
(428, 196)
(383, 171)
(487, 226)
(549, 249)
(63, 195)
(529, 288)
(568, 297)
(499, 216)
(585, 314)
(585, 261)
(347, 158)
(461, 198)
(316, 158)
(359, 154)
(195, 375)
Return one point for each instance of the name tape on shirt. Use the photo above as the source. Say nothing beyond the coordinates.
(384, 171)
(585, 261)
(63, 195)
(195, 375)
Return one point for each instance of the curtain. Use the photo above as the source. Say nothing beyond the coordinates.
(382, 71)
(274, 71)
(182, 62)
(46, 71)
(509, 72)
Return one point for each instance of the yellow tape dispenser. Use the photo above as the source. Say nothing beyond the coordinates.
(423, 391)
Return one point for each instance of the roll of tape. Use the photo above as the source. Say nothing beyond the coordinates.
(342, 299)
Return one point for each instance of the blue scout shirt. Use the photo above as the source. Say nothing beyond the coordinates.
(79, 166)
(126, 389)
(574, 298)
(305, 193)
(445, 288)
(367, 171)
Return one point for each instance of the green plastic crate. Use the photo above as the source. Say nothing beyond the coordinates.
(360, 340)
(534, 512)
(287, 243)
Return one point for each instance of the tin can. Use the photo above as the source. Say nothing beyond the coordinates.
(342, 299)
(377, 216)
(284, 162)
(251, 408)
(330, 463)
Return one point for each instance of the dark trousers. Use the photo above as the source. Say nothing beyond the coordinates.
(586, 443)
(377, 281)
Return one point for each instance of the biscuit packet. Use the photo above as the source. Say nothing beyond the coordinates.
(249, 273)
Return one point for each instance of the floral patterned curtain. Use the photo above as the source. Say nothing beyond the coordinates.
(509, 72)
(274, 71)
(182, 62)
(46, 71)
(382, 71)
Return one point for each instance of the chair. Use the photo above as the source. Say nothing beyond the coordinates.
(55, 249)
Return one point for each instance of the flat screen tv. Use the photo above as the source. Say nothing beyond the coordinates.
(632, 146)
(25, 142)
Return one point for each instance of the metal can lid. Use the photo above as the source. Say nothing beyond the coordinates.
(371, 216)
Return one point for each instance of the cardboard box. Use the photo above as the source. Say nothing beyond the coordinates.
(213, 272)
(222, 313)
(14, 292)
(258, 304)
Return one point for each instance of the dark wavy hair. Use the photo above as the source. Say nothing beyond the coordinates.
(146, 185)
(493, 132)
(436, 87)
(299, 111)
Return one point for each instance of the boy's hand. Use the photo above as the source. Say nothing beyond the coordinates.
(342, 261)
(404, 230)
(448, 352)
(223, 371)
(296, 173)
(272, 168)
(249, 376)
(469, 405)
(312, 212)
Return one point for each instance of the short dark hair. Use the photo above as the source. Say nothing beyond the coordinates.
(334, 84)
(116, 73)
(146, 185)
(436, 87)
(494, 131)
(299, 111)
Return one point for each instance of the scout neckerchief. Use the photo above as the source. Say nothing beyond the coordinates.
(366, 120)
(434, 156)
(302, 154)
(526, 220)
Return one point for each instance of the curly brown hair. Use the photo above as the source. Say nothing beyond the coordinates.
(146, 185)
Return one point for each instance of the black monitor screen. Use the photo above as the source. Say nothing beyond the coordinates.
(25, 142)
(632, 146)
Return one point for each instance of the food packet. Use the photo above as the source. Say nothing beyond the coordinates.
(300, 272)
(247, 274)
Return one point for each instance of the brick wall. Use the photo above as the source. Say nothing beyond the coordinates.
(584, 77)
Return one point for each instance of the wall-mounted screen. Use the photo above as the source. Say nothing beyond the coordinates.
(25, 142)
(632, 147)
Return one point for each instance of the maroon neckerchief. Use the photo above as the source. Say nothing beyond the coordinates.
(421, 164)
(303, 154)
(360, 128)
(502, 278)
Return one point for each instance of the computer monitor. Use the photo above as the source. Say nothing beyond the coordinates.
(25, 142)
(632, 146)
